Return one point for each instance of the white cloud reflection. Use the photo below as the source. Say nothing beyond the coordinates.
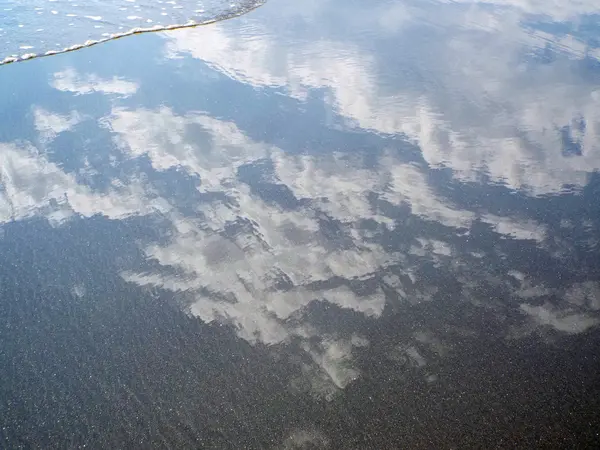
(31, 185)
(49, 124)
(259, 265)
(234, 275)
(506, 116)
(234, 253)
(568, 320)
(69, 80)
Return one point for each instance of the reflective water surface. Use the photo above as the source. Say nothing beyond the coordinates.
(323, 224)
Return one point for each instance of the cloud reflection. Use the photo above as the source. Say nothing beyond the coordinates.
(31, 185)
(49, 124)
(259, 265)
(69, 80)
(270, 235)
(526, 123)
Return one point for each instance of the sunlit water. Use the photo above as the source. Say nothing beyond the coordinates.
(45, 27)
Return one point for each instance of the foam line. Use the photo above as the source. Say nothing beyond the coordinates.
(244, 9)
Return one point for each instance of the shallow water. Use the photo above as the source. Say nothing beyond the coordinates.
(323, 224)
(47, 27)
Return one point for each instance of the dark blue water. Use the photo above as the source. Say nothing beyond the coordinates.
(323, 224)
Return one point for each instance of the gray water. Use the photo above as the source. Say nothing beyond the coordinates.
(323, 224)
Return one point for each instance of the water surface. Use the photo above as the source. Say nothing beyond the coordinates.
(323, 224)
(30, 30)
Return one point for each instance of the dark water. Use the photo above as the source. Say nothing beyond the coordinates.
(325, 224)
